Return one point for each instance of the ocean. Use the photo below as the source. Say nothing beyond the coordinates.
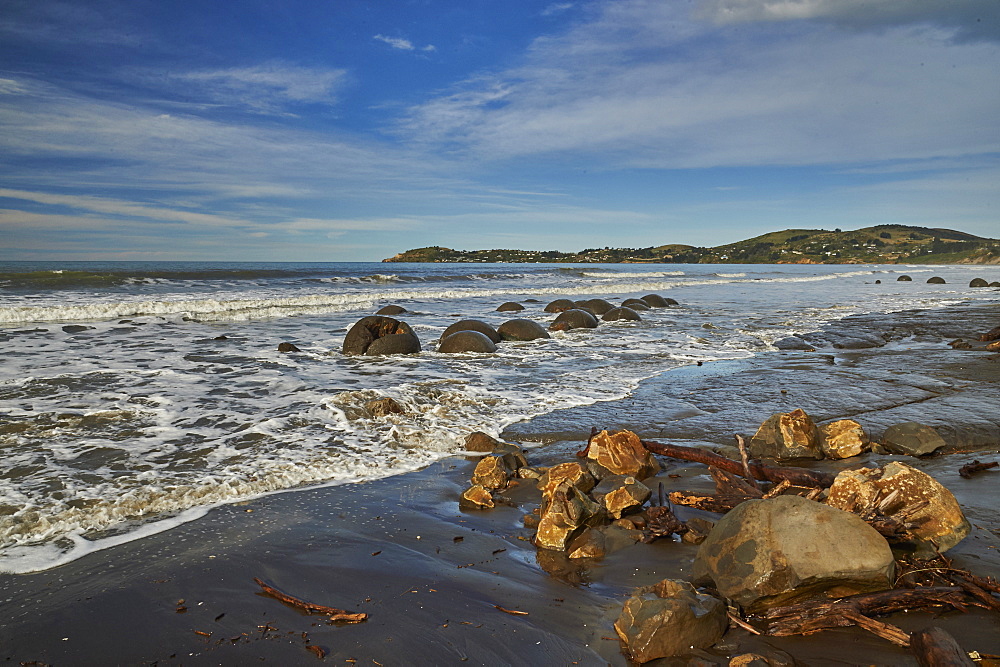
(135, 396)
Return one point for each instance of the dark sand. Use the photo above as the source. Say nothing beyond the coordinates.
(431, 576)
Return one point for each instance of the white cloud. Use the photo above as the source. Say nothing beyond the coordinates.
(645, 85)
(557, 8)
(403, 44)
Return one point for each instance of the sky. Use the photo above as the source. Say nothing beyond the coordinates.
(350, 130)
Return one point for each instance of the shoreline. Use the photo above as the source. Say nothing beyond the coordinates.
(431, 575)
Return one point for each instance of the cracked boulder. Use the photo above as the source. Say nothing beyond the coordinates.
(785, 436)
(565, 516)
(622, 453)
(376, 334)
(842, 439)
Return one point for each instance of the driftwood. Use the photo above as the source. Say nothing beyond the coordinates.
(934, 647)
(730, 491)
(815, 615)
(796, 476)
(310, 608)
(968, 469)
(661, 521)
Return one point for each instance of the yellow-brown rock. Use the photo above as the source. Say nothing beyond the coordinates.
(565, 473)
(621, 494)
(842, 439)
(491, 472)
(566, 514)
(622, 453)
(940, 522)
(476, 497)
(784, 436)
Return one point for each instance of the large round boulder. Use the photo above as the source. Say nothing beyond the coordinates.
(912, 438)
(367, 331)
(509, 307)
(466, 341)
(574, 319)
(655, 301)
(472, 325)
(596, 306)
(936, 280)
(769, 552)
(518, 330)
(978, 282)
(635, 304)
(904, 279)
(559, 305)
(621, 313)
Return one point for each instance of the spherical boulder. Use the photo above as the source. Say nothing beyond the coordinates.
(520, 330)
(596, 306)
(367, 331)
(635, 304)
(391, 310)
(936, 280)
(559, 305)
(573, 319)
(621, 313)
(995, 283)
(655, 301)
(472, 325)
(466, 341)
(509, 307)
(978, 282)
(904, 279)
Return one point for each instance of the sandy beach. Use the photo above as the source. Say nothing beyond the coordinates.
(435, 580)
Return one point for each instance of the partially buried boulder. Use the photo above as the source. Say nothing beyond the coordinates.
(912, 438)
(635, 304)
(472, 325)
(842, 439)
(381, 407)
(596, 306)
(509, 307)
(521, 330)
(573, 319)
(904, 279)
(621, 313)
(480, 442)
(622, 453)
(287, 347)
(992, 334)
(391, 310)
(377, 334)
(978, 282)
(785, 436)
(559, 305)
(774, 551)
(668, 619)
(936, 280)
(935, 518)
(466, 341)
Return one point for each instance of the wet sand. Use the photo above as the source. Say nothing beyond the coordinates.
(432, 576)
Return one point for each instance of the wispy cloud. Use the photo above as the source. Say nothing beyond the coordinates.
(557, 8)
(646, 85)
(403, 44)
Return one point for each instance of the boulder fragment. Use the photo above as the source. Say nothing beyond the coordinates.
(668, 619)
(622, 453)
(842, 439)
(476, 497)
(492, 472)
(381, 407)
(571, 473)
(782, 549)
(509, 307)
(784, 436)
(621, 494)
(564, 516)
(912, 438)
(929, 510)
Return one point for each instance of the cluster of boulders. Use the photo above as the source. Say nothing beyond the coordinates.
(793, 435)
(938, 280)
(991, 339)
(775, 550)
(382, 334)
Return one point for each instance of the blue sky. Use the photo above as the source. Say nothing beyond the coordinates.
(344, 130)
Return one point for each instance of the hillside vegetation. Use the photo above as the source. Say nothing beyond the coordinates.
(882, 244)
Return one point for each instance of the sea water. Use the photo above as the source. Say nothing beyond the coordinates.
(134, 396)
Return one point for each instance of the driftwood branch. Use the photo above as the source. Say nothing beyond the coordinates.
(968, 469)
(934, 647)
(797, 476)
(310, 608)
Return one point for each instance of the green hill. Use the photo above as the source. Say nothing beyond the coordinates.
(882, 244)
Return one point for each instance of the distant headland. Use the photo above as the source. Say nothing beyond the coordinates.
(881, 244)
